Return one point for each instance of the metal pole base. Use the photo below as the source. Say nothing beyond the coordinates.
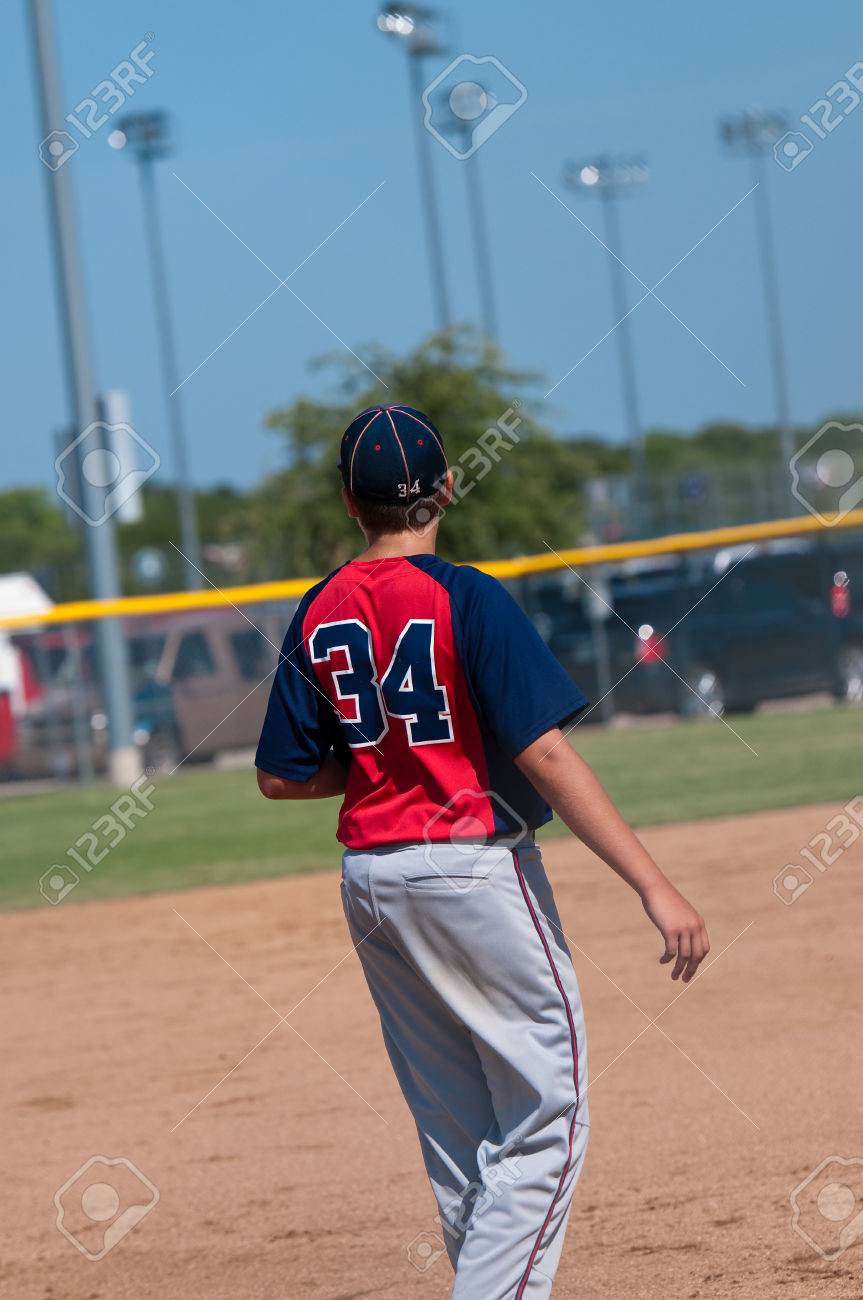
(125, 765)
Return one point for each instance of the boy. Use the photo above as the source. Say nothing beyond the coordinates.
(420, 692)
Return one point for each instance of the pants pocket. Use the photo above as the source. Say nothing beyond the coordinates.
(461, 882)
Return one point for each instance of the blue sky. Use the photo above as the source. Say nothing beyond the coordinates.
(287, 117)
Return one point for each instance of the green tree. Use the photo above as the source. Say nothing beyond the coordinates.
(713, 446)
(36, 538)
(529, 496)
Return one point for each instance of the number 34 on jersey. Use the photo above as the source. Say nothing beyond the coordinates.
(409, 689)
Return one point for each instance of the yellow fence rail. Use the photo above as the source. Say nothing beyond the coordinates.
(83, 611)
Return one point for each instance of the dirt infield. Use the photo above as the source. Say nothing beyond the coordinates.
(285, 1161)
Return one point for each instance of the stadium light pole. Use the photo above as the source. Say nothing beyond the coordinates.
(460, 125)
(147, 136)
(414, 25)
(607, 178)
(124, 760)
(753, 133)
(482, 256)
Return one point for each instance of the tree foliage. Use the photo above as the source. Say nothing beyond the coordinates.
(525, 498)
(527, 495)
(36, 538)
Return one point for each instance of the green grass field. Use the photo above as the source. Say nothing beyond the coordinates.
(209, 827)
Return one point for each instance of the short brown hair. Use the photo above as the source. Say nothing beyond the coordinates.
(380, 517)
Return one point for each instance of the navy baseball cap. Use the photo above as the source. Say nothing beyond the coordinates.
(392, 454)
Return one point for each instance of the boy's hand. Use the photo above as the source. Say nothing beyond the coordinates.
(681, 927)
(575, 793)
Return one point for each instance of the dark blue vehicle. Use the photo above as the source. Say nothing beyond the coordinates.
(714, 635)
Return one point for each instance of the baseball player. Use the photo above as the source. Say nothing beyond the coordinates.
(419, 692)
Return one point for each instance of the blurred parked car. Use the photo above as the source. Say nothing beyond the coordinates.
(196, 687)
(194, 679)
(718, 634)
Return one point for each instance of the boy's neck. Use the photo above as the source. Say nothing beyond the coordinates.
(386, 546)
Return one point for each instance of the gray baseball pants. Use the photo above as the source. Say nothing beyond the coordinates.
(465, 959)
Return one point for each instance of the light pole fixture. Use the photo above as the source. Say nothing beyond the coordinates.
(146, 134)
(753, 134)
(416, 26)
(607, 178)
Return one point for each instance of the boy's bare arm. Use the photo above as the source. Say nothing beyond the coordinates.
(577, 796)
(328, 781)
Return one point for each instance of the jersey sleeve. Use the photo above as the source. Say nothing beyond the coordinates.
(520, 688)
(300, 725)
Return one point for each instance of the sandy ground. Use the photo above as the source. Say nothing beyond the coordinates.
(286, 1163)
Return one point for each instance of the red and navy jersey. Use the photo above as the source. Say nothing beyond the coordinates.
(427, 679)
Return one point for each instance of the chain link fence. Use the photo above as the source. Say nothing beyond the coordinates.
(681, 501)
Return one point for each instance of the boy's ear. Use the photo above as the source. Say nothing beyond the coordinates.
(445, 491)
(350, 505)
